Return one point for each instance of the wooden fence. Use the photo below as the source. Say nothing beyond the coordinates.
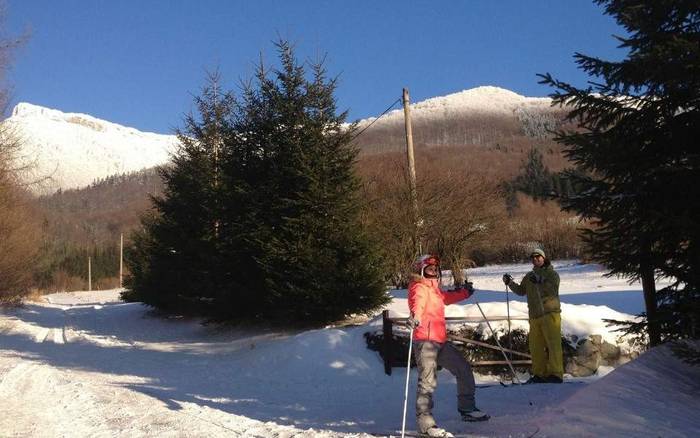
(388, 339)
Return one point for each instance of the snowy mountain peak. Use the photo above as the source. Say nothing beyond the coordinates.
(483, 96)
(73, 149)
(479, 100)
(484, 99)
(27, 110)
(24, 110)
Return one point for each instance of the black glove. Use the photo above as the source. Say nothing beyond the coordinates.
(507, 278)
(412, 323)
(469, 286)
(536, 278)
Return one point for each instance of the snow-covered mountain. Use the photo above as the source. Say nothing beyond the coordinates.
(483, 116)
(73, 149)
(480, 101)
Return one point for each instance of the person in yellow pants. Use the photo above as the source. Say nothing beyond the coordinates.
(541, 285)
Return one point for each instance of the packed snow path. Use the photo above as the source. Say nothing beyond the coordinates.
(84, 364)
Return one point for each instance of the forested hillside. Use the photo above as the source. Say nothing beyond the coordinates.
(458, 154)
(88, 222)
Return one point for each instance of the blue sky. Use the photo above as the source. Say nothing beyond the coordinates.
(137, 63)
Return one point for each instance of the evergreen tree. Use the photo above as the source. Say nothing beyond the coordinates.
(260, 217)
(534, 179)
(293, 221)
(637, 157)
(174, 262)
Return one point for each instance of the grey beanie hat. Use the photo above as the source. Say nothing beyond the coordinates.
(538, 252)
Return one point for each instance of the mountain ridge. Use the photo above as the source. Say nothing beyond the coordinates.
(486, 99)
(72, 150)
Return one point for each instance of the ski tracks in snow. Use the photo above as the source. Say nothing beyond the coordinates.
(110, 369)
(65, 373)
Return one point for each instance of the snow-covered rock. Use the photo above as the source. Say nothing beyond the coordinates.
(592, 353)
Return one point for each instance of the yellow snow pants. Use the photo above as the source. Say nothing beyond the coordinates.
(545, 345)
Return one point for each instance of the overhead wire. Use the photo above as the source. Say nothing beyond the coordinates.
(374, 121)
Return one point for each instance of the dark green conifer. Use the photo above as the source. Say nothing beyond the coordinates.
(261, 217)
(308, 258)
(637, 157)
(174, 261)
(534, 180)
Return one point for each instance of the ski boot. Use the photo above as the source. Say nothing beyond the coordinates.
(435, 432)
(474, 415)
(535, 379)
(553, 379)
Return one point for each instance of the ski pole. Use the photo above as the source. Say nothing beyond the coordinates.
(499, 346)
(512, 370)
(408, 374)
(510, 337)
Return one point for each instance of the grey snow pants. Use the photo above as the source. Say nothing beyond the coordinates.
(428, 356)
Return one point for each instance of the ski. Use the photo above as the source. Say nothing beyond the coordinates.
(415, 434)
(508, 385)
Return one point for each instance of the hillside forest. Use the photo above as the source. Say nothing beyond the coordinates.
(487, 200)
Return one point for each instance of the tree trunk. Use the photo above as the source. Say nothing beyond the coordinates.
(649, 288)
(457, 275)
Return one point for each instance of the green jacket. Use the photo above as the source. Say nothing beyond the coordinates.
(542, 298)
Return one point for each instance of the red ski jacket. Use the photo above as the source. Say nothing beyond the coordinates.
(427, 302)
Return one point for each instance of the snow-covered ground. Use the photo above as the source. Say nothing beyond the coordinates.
(87, 365)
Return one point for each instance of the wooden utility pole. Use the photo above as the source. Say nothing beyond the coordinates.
(121, 259)
(89, 273)
(412, 170)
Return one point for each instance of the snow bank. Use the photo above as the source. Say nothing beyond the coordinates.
(656, 395)
(578, 320)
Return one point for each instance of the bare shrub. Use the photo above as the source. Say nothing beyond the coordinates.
(459, 208)
(388, 215)
(62, 281)
(541, 224)
(19, 232)
(19, 242)
(106, 283)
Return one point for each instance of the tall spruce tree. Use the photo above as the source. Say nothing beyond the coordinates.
(174, 262)
(260, 218)
(638, 151)
(293, 222)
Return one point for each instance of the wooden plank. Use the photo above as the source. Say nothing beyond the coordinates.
(473, 319)
(484, 344)
(500, 362)
(388, 334)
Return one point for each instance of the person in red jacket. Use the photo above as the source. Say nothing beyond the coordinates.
(427, 302)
